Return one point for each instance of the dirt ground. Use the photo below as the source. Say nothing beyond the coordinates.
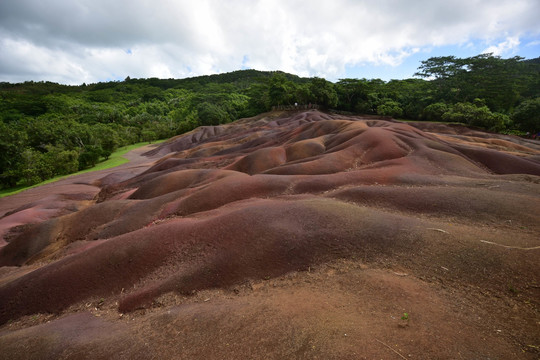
(291, 235)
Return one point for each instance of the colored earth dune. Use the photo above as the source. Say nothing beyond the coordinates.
(288, 235)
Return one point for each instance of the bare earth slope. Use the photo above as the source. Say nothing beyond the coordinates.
(297, 235)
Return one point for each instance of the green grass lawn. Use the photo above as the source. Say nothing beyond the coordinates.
(116, 158)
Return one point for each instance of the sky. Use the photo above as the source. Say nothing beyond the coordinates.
(88, 41)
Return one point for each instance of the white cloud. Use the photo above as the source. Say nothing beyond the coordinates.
(23, 60)
(88, 40)
(509, 46)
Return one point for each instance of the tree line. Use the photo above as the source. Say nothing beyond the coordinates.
(49, 129)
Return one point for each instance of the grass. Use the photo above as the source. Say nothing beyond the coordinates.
(433, 122)
(115, 159)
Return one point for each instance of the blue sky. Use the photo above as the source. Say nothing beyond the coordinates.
(528, 48)
(88, 41)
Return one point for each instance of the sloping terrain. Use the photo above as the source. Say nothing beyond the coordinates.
(289, 235)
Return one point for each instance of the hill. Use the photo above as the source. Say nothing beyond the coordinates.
(48, 129)
(291, 234)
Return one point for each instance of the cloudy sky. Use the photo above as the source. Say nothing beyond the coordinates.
(76, 41)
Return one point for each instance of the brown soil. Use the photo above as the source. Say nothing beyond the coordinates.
(292, 235)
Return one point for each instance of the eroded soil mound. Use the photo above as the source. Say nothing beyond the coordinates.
(287, 235)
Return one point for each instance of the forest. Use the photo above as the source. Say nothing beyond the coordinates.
(48, 129)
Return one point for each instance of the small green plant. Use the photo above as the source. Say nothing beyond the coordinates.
(512, 289)
(405, 317)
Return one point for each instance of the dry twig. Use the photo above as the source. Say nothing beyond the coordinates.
(510, 247)
(439, 230)
(388, 346)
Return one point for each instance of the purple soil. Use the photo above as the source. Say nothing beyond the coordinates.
(225, 207)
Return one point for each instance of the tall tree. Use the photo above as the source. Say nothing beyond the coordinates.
(350, 92)
(323, 93)
(279, 91)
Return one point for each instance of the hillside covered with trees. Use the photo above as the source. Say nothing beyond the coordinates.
(48, 129)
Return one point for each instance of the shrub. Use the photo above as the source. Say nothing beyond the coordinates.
(475, 115)
(390, 108)
(527, 115)
(434, 112)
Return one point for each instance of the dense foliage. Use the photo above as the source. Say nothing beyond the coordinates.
(49, 129)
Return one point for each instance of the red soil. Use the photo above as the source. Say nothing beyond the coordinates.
(287, 235)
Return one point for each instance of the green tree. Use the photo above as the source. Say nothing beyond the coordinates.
(411, 94)
(89, 156)
(107, 138)
(496, 80)
(500, 82)
(441, 67)
(351, 92)
(434, 112)
(474, 115)
(211, 114)
(34, 167)
(150, 93)
(258, 98)
(280, 90)
(390, 108)
(148, 135)
(527, 115)
(12, 141)
(323, 93)
(61, 161)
